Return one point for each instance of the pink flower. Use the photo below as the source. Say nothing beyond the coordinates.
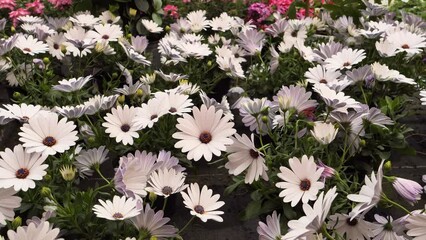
(281, 6)
(171, 10)
(408, 189)
(60, 4)
(36, 7)
(14, 15)
(10, 4)
(258, 12)
(301, 13)
(328, 172)
(186, 1)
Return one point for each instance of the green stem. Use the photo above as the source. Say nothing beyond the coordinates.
(164, 204)
(325, 232)
(363, 94)
(102, 176)
(187, 224)
(386, 199)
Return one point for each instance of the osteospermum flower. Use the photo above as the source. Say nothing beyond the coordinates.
(257, 114)
(369, 195)
(416, 225)
(204, 134)
(294, 98)
(178, 103)
(301, 181)
(271, 230)
(23, 112)
(99, 102)
(349, 227)
(45, 134)
(244, 155)
(106, 32)
(344, 59)
(410, 190)
(385, 229)
(40, 231)
(203, 204)
(119, 208)
(338, 101)
(89, 159)
(73, 84)
(150, 112)
(19, 169)
(165, 182)
(154, 224)
(121, 124)
(406, 41)
(30, 45)
(324, 133)
(7, 203)
(151, 26)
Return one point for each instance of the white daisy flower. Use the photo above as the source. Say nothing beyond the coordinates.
(72, 85)
(271, 230)
(385, 48)
(383, 73)
(23, 112)
(224, 104)
(204, 134)
(301, 182)
(384, 229)
(30, 45)
(55, 43)
(43, 230)
(324, 133)
(84, 19)
(71, 111)
(106, 32)
(87, 160)
(416, 225)
(197, 50)
(244, 155)
(252, 41)
(19, 169)
(331, 78)
(178, 103)
(119, 208)
(339, 102)
(294, 98)
(132, 174)
(406, 41)
(100, 102)
(171, 77)
(121, 124)
(197, 20)
(154, 223)
(151, 26)
(57, 23)
(253, 111)
(369, 195)
(31, 19)
(150, 112)
(344, 59)
(423, 97)
(5, 117)
(45, 134)
(165, 182)
(203, 204)
(349, 227)
(108, 17)
(79, 44)
(8, 202)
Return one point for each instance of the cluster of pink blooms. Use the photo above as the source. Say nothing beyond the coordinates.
(171, 10)
(35, 7)
(258, 12)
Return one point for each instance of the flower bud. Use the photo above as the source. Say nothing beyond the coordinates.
(324, 133)
(387, 166)
(265, 119)
(410, 190)
(167, 28)
(46, 60)
(16, 95)
(91, 140)
(139, 93)
(328, 172)
(47, 177)
(129, 35)
(362, 143)
(209, 63)
(121, 99)
(63, 49)
(153, 238)
(132, 12)
(45, 191)
(114, 75)
(152, 197)
(12, 29)
(17, 222)
(67, 172)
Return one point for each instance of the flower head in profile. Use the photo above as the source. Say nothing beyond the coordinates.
(73, 84)
(8, 202)
(151, 112)
(416, 225)
(19, 169)
(154, 223)
(294, 98)
(351, 227)
(203, 204)
(165, 182)
(324, 133)
(120, 124)
(257, 114)
(369, 195)
(251, 40)
(43, 230)
(151, 26)
(271, 230)
(87, 160)
(301, 181)
(410, 190)
(204, 134)
(45, 134)
(23, 112)
(244, 155)
(119, 208)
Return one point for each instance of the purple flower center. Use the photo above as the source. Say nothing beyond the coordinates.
(117, 215)
(346, 64)
(22, 173)
(49, 141)
(154, 116)
(305, 185)
(205, 137)
(254, 154)
(405, 46)
(56, 46)
(323, 81)
(27, 49)
(352, 222)
(199, 209)
(125, 127)
(106, 37)
(172, 110)
(167, 190)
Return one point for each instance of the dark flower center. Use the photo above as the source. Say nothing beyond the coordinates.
(125, 127)
(117, 215)
(294, 33)
(172, 110)
(56, 46)
(109, 21)
(346, 64)
(167, 190)
(22, 173)
(27, 49)
(205, 137)
(154, 116)
(323, 81)
(25, 119)
(352, 222)
(254, 154)
(305, 185)
(405, 46)
(199, 209)
(49, 141)
(105, 37)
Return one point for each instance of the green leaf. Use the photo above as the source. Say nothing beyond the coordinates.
(142, 5)
(83, 6)
(252, 210)
(157, 19)
(158, 4)
(123, 1)
(232, 187)
(140, 28)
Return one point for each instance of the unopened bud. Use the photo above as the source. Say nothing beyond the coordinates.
(209, 63)
(132, 12)
(68, 172)
(265, 119)
(152, 197)
(387, 166)
(91, 140)
(16, 95)
(362, 143)
(46, 60)
(139, 93)
(167, 28)
(17, 222)
(47, 177)
(45, 191)
(121, 99)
